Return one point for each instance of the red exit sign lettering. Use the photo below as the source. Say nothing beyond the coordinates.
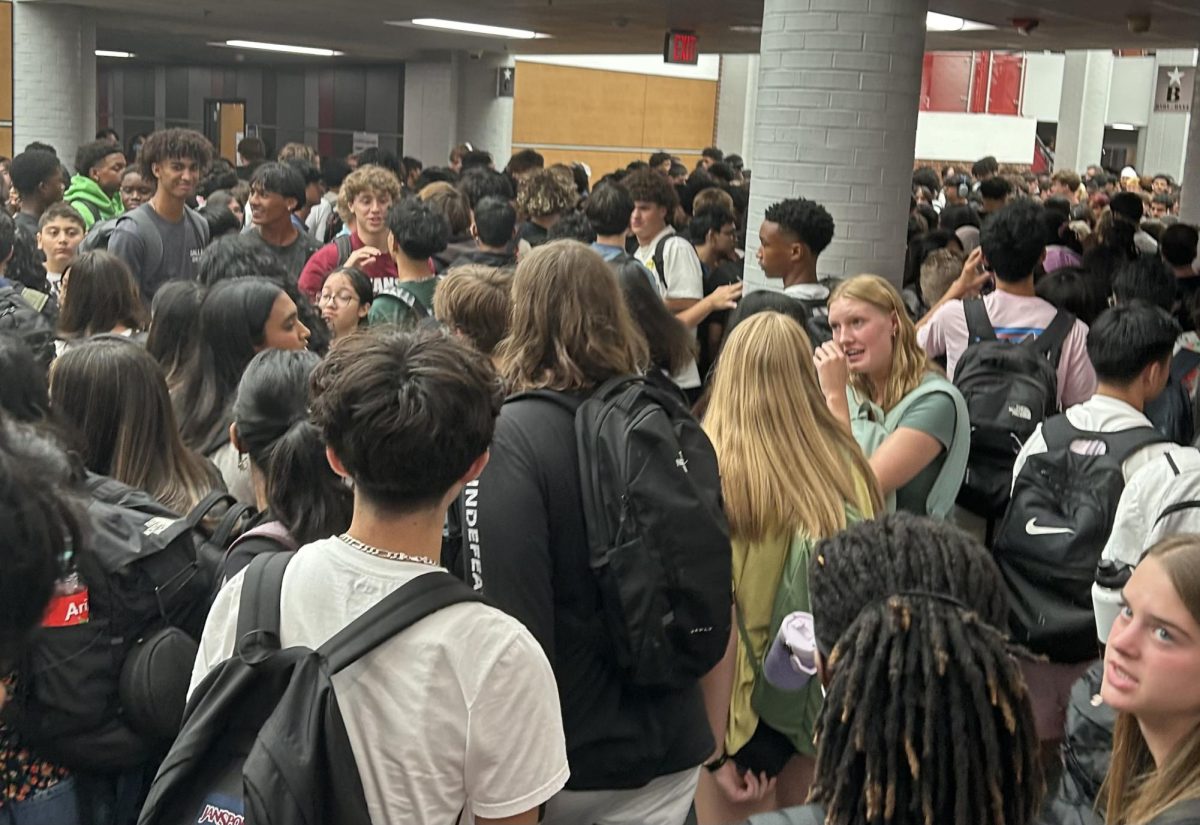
(681, 47)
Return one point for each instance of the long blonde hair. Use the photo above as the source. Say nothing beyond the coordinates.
(1136, 790)
(786, 462)
(909, 361)
(570, 327)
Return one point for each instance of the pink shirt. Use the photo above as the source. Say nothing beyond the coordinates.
(1015, 318)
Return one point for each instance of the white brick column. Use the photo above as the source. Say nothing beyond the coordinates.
(54, 77)
(836, 122)
(1189, 209)
(1086, 80)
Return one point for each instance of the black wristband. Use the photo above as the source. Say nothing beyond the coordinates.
(715, 765)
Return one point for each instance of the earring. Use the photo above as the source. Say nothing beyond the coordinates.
(243, 461)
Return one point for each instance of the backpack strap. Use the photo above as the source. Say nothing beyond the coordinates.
(979, 326)
(209, 503)
(258, 610)
(1058, 433)
(1177, 507)
(405, 296)
(151, 240)
(660, 262)
(1050, 342)
(404, 607)
(1184, 362)
(345, 248)
(199, 225)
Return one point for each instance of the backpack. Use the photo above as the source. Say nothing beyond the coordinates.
(389, 301)
(1009, 389)
(148, 232)
(20, 318)
(345, 248)
(1086, 751)
(263, 739)
(97, 237)
(271, 537)
(333, 227)
(816, 323)
(105, 691)
(657, 534)
(1171, 412)
(1050, 539)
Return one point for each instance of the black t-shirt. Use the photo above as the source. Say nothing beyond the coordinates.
(525, 544)
(1187, 289)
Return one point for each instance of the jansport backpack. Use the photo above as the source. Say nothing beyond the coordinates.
(657, 533)
(263, 739)
(1171, 412)
(104, 688)
(1050, 539)
(1009, 389)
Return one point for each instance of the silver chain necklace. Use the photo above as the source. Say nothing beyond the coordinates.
(385, 554)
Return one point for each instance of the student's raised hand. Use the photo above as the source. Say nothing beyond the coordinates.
(725, 297)
(972, 278)
(833, 372)
(362, 255)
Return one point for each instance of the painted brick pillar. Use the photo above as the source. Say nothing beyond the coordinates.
(836, 122)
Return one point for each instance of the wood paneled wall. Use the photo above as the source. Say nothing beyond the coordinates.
(607, 119)
(6, 79)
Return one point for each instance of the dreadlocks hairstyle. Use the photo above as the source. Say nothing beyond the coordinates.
(927, 718)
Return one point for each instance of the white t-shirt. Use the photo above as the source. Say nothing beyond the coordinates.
(685, 280)
(1100, 414)
(1172, 477)
(460, 710)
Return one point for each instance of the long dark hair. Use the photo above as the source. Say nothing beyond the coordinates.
(114, 394)
(271, 415)
(669, 341)
(174, 326)
(232, 318)
(100, 295)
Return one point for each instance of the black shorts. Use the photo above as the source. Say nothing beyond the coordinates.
(767, 751)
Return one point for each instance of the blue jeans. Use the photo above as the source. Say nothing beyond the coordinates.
(57, 805)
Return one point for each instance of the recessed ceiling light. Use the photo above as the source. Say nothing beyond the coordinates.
(746, 29)
(279, 47)
(1124, 127)
(108, 53)
(468, 28)
(936, 22)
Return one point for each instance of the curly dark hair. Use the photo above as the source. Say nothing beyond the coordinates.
(649, 186)
(420, 232)
(90, 154)
(175, 144)
(807, 220)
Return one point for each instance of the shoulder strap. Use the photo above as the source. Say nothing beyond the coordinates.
(1059, 432)
(345, 248)
(1184, 362)
(413, 601)
(223, 532)
(272, 530)
(199, 225)
(979, 326)
(407, 297)
(1050, 342)
(1177, 507)
(207, 504)
(660, 263)
(151, 240)
(258, 610)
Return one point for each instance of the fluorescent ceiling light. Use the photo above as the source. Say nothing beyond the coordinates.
(278, 47)
(1124, 127)
(936, 22)
(746, 29)
(107, 53)
(470, 28)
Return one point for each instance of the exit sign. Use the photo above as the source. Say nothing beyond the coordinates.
(681, 47)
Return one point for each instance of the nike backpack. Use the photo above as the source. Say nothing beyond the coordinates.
(656, 530)
(1009, 389)
(263, 737)
(1050, 539)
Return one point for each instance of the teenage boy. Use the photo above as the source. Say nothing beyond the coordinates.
(96, 186)
(493, 226)
(365, 198)
(37, 178)
(277, 191)
(793, 235)
(673, 259)
(461, 710)
(162, 239)
(59, 233)
(1011, 247)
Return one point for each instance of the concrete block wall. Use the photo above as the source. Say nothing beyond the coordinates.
(836, 120)
(54, 77)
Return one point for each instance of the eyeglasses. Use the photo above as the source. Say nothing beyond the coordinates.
(336, 298)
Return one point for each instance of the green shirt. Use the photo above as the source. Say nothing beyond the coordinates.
(403, 303)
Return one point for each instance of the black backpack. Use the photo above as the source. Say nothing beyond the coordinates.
(1050, 539)
(107, 694)
(1009, 389)
(657, 533)
(1172, 412)
(20, 318)
(263, 739)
